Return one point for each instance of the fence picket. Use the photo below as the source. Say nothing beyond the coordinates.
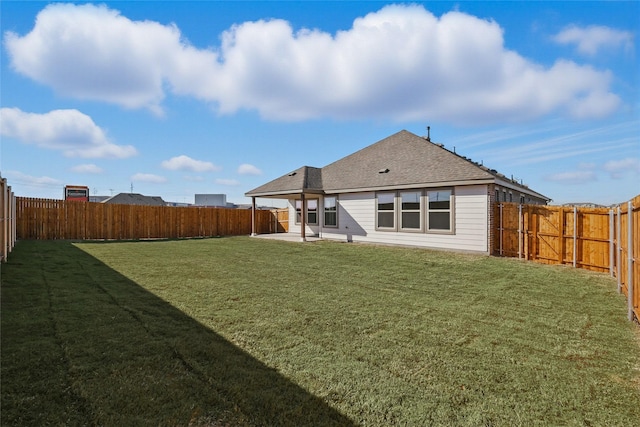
(57, 219)
(598, 239)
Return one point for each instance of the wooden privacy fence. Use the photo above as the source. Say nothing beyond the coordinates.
(282, 220)
(598, 239)
(8, 215)
(58, 219)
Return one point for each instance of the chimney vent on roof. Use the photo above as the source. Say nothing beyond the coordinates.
(429, 133)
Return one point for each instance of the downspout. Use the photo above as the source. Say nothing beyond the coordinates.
(320, 219)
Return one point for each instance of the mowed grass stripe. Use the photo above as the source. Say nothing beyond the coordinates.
(359, 334)
(130, 357)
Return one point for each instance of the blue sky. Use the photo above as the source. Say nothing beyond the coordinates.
(179, 98)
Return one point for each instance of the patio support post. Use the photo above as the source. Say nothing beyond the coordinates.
(253, 216)
(303, 217)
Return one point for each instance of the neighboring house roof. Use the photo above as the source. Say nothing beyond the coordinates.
(98, 199)
(135, 199)
(402, 160)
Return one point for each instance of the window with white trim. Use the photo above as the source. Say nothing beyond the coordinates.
(386, 211)
(439, 210)
(330, 211)
(312, 211)
(298, 211)
(410, 203)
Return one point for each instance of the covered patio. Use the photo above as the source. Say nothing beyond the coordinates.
(301, 184)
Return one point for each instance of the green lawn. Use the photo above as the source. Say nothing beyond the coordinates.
(241, 331)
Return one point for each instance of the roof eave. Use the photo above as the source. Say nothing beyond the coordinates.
(410, 186)
(276, 194)
(522, 188)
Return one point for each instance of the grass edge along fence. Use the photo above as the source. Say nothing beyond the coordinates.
(48, 219)
(598, 239)
(8, 216)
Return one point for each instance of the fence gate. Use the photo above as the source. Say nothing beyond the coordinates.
(598, 239)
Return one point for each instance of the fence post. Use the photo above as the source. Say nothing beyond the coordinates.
(561, 221)
(630, 262)
(526, 219)
(520, 231)
(501, 230)
(14, 221)
(575, 235)
(619, 251)
(5, 220)
(611, 244)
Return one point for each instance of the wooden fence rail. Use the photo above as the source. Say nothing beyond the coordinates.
(598, 239)
(58, 219)
(8, 216)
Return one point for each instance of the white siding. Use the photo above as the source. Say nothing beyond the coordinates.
(356, 222)
(310, 230)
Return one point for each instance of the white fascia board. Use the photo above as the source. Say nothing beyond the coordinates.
(411, 186)
(521, 189)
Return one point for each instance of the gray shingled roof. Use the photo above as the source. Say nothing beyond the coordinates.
(305, 179)
(135, 199)
(409, 160)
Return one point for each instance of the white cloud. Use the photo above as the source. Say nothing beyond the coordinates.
(590, 40)
(400, 63)
(556, 143)
(587, 172)
(187, 163)
(70, 131)
(92, 52)
(229, 182)
(29, 180)
(575, 177)
(247, 169)
(147, 177)
(87, 168)
(618, 169)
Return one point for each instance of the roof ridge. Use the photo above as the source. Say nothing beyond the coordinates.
(368, 146)
(406, 160)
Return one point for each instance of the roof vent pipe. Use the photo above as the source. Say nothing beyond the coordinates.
(429, 133)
